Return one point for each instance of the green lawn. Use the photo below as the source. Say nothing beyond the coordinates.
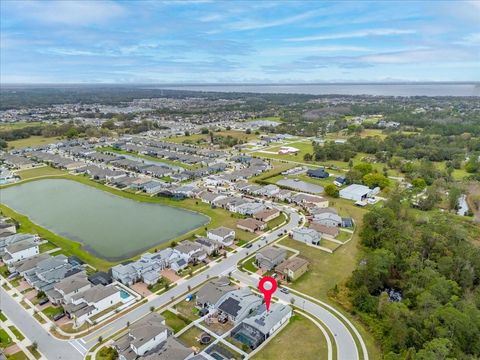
(52, 311)
(31, 141)
(187, 309)
(18, 356)
(190, 338)
(19, 125)
(310, 343)
(250, 265)
(2, 316)
(34, 352)
(5, 340)
(16, 332)
(174, 321)
(277, 221)
(40, 171)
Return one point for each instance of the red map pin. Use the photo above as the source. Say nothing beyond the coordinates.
(267, 287)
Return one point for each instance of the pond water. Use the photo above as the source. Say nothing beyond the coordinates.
(109, 226)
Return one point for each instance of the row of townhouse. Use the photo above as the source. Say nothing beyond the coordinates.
(149, 266)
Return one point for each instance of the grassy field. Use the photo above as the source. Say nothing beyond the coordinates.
(174, 321)
(218, 217)
(269, 118)
(18, 356)
(40, 171)
(5, 340)
(52, 311)
(16, 332)
(311, 342)
(190, 338)
(19, 125)
(31, 141)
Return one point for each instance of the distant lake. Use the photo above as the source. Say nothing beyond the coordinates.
(109, 226)
(427, 89)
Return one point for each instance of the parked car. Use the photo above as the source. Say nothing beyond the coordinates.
(285, 290)
(12, 275)
(58, 316)
(43, 301)
(248, 246)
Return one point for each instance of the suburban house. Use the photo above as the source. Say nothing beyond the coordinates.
(303, 199)
(208, 245)
(209, 197)
(249, 208)
(325, 229)
(210, 293)
(267, 215)
(63, 291)
(284, 195)
(223, 235)
(19, 251)
(172, 349)
(92, 301)
(191, 251)
(269, 257)
(327, 219)
(255, 329)
(143, 337)
(7, 228)
(45, 274)
(14, 238)
(236, 305)
(292, 269)
(356, 192)
(306, 235)
(319, 173)
(251, 225)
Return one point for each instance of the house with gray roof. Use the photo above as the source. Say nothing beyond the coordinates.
(269, 257)
(210, 293)
(306, 235)
(20, 250)
(255, 329)
(143, 337)
(69, 287)
(328, 219)
(222, 234)
(236, 305)
(82, 306)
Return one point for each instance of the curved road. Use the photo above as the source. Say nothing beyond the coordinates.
(55, 349)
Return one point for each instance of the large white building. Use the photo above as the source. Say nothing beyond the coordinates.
(356, 192)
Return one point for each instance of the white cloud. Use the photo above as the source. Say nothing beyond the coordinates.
(354, 34)
(470, 40)
(69, 12)
(262, 24)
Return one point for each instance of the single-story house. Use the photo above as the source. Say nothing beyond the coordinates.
(327, 219)
(267, 215)
(356, 192)
(251, 225)
(325, 229)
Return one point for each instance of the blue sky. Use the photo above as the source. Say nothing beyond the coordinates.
(234, 41)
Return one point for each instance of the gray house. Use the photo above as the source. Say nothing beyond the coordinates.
(306, 235)
(328, 219)
(270, 257)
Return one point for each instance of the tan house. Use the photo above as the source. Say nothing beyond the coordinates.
(251, 225)
(292, 269)
(267, 215)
